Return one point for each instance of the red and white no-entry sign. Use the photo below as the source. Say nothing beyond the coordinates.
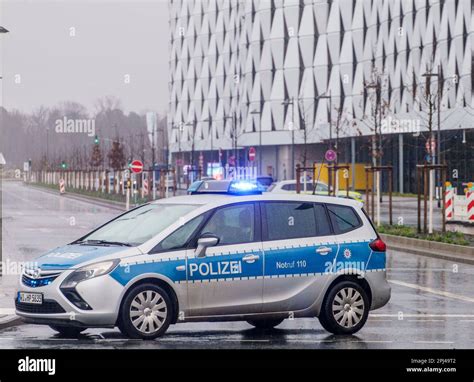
(136, 166)
(252, 154)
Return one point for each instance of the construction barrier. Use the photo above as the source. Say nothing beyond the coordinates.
(449, 202)
(470, 203)
(62, 186)
(145, 190)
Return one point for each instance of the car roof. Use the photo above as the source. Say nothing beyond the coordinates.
(221, 199)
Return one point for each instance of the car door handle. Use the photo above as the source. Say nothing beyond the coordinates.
(180, 268)
(324, 250)
(250, 258)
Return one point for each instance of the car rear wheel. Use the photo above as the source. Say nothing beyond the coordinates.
(67, 331)
(345, 308)
(266, 323)
(146, 312)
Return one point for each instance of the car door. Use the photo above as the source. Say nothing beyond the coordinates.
(228, 280)
(299, 251)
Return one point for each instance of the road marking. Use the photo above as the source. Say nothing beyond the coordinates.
(433, 291)
(423, 315)
(433, 342)
(422, 320)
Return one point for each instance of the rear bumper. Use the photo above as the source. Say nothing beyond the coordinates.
(379, 287)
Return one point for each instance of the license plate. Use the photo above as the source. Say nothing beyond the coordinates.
(30, 298)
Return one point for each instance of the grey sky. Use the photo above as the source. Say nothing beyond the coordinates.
(113, 39)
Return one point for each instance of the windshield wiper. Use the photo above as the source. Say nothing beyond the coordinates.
(102, 242)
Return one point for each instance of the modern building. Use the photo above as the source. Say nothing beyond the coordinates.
(294, 77)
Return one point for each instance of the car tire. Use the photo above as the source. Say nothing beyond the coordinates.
(146, 312)
(345, 308)
(67, 331)
(266, 323)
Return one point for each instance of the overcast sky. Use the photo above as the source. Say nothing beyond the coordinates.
(112, 39)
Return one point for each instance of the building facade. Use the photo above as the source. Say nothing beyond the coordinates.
(371, 78)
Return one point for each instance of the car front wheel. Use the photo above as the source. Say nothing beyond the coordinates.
(146, 312)
(345, 308)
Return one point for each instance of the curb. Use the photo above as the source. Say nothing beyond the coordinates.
(9, 321)
(82, 198)
(451, 252)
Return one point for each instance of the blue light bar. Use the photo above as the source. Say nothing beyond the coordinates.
(234, 187)
(244, 187)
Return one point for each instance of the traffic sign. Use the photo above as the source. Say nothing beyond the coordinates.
(252, 154)
(330, 155)
(136, 166)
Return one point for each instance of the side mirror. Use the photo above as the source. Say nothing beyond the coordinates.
(203, 243)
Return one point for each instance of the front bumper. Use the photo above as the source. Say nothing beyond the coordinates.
(102, 294)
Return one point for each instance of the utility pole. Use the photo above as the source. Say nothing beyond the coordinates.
(291, 102)
(429, 99)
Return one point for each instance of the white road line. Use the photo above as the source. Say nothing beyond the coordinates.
(422, 315)
(422, 320)
(433, 291)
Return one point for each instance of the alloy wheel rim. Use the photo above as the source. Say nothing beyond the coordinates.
(148, 311)
(348, 307)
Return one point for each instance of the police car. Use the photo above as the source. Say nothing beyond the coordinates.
(227, 252)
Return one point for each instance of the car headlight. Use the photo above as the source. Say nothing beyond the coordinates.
(89, 272)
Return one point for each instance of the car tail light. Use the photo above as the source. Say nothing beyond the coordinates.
(378, 245)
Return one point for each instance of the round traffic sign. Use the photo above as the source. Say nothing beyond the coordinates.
(330, 155)
(136, 166)
(252, 154)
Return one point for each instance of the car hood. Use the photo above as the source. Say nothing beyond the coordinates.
(73, 255)
(351, 193)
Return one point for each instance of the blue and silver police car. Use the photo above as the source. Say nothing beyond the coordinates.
(224, 252)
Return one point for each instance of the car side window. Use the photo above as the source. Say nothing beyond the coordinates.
(233, 224)
(179, 238)
(289, 187)
(343, 218)
(323, 228)
(289, 220)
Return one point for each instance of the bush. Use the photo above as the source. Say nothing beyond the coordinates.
(447, 237)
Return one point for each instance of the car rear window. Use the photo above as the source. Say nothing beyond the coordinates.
(343, 218)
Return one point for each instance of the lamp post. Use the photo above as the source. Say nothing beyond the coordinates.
(328, 96)
(291, 102)
(2, 30)
(256, 112)
(180, 128)
(193, 126)
(234, 136)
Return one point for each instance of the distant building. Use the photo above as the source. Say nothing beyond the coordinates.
(265, 73)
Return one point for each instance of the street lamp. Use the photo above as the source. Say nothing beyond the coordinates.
(2, 30)
(193, 125)
(291, 102)
(211, 132)
(234, 136)
(323, 96)
(256, 112)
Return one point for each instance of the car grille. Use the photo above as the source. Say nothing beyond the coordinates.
(36, 283)
(47, 307)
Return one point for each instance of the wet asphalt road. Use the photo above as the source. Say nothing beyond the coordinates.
(432, 303)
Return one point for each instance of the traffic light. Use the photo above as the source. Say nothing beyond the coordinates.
(96, 140)
(63, 165)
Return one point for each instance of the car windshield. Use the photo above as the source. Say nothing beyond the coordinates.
(139, 225)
